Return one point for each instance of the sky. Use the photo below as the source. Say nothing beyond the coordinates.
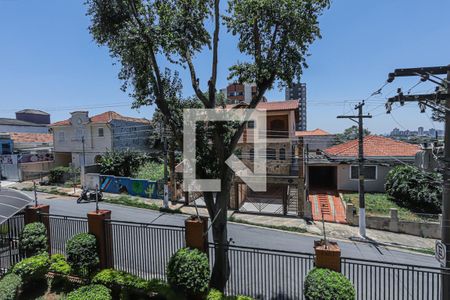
(49, 61)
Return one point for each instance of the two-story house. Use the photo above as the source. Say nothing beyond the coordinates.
(282, 170)
(86, 138)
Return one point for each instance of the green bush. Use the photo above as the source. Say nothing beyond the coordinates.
(9, 287)
(324, 284)
(82, 253)
(90, 292)
(151, 171)
(56, 174)
(121, 163)
(415, 189)
(188, 271)
(217, 295)
(33, 239)
(33, 268)
(59, 265)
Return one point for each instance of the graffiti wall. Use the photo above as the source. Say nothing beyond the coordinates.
(130, 186)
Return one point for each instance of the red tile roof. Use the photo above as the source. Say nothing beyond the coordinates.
(19, 137)
(374, 146)
(272, 105)
(315, 132)
(105, 117)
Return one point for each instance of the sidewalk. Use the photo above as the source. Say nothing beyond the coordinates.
(333, 230)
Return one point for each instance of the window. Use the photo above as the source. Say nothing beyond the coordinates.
(370, 172)
(252, 153)
(271, 154)
(6, 149)
(101, 132)
(282, 154)
(61, 136)
(251, 124)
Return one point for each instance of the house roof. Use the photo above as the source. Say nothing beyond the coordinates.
(105, 118)
(272, 105)
(32, 111)
(19, 137)
(374, 146)
(15, 122)
(315, 132)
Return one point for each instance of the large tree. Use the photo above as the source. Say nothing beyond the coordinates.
(152, 39)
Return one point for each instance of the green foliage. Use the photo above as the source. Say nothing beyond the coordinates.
(33, 268)
(136, 202)
(90, 292)
(59, 265)
(121, 163)
(415, 189)
(217, 295)
(56, 174)
(188, 271)
(33, 239)
(126, 285)
(151, 171)
(9, 286)
(349, 134)
(82, 253)
(324, 284)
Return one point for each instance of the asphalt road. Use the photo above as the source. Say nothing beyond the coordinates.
(244, 235)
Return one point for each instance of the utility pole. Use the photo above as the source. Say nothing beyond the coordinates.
(362, 203)
(84, 162)
(434, 102)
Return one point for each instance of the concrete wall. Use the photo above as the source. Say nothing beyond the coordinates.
(346, 184)
(393, 224)
(318, 142)
(35, 170)
(130, 135)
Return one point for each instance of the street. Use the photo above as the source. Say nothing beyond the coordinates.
(244, 235)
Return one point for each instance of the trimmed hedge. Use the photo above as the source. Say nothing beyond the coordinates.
(82, 253)
(9, 287)
(188, 271)
(56, 174)
(324, 284)
(90, 292)
(217, 295)
(33, 239)
(33, 268)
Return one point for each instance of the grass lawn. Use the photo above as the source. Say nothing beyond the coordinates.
(378, 204)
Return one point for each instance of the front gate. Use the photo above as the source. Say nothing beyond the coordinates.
(9, 242)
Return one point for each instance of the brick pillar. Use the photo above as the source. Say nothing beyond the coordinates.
(39, 214)
(195, 235)
(102, 231)
(328, 256)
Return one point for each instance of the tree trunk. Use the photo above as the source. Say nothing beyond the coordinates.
(221, 269)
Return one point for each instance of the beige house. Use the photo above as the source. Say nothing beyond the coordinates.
(282, 166)
(82, 137)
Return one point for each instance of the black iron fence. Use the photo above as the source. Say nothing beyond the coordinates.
(383, 280)
(266, 274)
(9, 242)
(143, 249)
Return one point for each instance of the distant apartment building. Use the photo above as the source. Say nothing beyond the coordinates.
(26, 121)
(297, 91)
(240, 92)
(432, 133)
(84, 138)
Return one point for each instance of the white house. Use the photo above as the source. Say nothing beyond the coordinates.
(90, 137)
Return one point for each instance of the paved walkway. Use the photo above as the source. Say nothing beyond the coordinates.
(329, 205)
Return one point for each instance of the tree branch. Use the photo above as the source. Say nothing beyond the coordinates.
(194, 79)
(213, 80)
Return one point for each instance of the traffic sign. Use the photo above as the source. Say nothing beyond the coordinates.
(440, 252)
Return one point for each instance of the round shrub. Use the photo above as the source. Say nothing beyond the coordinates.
(33, 268)
(90, 292)
(9, 286)
(415, 189)
(59, 265)
(324, 284)
(188, 271)
(33, 239)
(82, 253)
